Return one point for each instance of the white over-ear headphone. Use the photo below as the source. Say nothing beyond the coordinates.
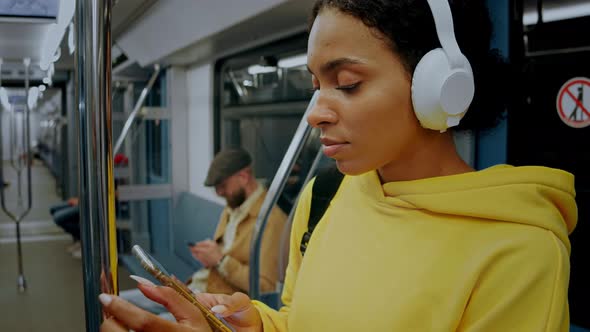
(442, 85)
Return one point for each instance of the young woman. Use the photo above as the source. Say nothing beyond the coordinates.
(414, 239)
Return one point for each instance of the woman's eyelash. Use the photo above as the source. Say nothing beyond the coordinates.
(348, 87)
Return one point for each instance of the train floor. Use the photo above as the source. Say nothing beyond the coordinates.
(54, 299)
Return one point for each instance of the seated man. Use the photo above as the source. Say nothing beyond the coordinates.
(225, 259)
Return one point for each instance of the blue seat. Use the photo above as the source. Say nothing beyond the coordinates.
(193, 219)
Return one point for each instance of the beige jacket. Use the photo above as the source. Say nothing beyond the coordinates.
(238, 257)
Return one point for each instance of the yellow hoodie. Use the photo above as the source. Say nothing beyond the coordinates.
(481, 251)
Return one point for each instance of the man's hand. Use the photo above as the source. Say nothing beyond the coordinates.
(207, 252)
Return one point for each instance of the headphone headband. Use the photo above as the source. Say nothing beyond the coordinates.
(443, 21)
(442, 84)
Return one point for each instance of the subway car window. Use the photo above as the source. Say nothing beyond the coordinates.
(273, 79)
(263, 95)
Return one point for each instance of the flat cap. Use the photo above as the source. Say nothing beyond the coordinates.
(225, 164)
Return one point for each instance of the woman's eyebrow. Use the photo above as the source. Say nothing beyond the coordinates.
(335, 64)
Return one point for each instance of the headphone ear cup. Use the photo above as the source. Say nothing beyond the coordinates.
(441, 95)
(426, 89)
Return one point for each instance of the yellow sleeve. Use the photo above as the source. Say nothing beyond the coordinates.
(524, 290)
(273, 320)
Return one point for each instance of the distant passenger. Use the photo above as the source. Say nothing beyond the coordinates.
(67, 216)
(414, 239)
(226, 257)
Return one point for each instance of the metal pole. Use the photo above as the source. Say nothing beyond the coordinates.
(97, 204)
(13, 142)
(284, 249)
(17, 164)
(21, 282)
(276, 187)
(136, 109)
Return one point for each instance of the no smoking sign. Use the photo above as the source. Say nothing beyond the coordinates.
(573, 109)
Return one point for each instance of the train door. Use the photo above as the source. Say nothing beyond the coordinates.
(551, 125)
(158, 169)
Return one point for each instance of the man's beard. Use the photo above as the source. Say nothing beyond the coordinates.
(236, 199)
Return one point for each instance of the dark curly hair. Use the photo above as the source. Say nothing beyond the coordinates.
(409, 30)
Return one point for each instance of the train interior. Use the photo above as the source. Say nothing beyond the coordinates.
(190, 78)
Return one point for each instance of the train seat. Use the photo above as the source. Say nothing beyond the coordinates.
(193, 219)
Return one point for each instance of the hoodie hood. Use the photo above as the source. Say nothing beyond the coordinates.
(536, 196)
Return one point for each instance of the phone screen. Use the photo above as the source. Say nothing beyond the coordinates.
(156, 269)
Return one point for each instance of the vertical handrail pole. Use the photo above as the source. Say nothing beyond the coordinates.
(2, 202)
(97, 204)
(21, 281)
(27, 146)
(12, 133)
(285, 238)
(275, 189)
(18, 165)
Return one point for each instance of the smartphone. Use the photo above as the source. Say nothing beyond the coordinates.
(157, 270)
(190, 243)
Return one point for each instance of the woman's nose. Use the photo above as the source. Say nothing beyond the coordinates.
(321, 115)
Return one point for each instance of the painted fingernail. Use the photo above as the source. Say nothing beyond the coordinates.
(219, 309)
(105, 299)
(142, 281)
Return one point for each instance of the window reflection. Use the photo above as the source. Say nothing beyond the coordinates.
(272, 79)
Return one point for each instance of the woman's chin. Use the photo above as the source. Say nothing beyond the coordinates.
(349, 167)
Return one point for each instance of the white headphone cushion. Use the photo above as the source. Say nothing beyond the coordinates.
(441, 95)
(426, 89)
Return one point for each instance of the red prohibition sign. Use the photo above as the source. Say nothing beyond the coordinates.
(572, 109)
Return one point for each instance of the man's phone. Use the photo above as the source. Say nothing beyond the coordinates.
(191, 243)
(157, 270)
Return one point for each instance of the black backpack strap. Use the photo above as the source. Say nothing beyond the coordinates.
(324, 188)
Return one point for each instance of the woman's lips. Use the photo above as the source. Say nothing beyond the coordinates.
(332, 147)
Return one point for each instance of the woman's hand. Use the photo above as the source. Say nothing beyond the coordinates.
(125, 316)
(237, 310)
